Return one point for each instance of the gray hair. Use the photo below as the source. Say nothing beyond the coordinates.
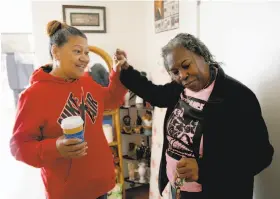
(190, 43)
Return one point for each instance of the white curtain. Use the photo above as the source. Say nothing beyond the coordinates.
(157, 136)
(157, 143)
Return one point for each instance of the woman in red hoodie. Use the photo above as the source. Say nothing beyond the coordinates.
(70, 169)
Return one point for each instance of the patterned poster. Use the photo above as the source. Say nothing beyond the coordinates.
(166, 15)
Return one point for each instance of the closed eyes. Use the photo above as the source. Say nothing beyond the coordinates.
(176, 72)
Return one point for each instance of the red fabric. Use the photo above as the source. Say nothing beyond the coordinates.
(42, 106)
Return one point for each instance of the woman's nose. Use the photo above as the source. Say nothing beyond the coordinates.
(84, 58)
(183, 74)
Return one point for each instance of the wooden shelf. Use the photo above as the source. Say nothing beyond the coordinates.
(115, 143)
(110, 112)
(128, 158)
(135, 182)
(136, 134)
(133, 106)
(138, 192)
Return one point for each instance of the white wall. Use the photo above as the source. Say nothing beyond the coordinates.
(125, 28)
(15, 16)
(188, 23)
(245, 36)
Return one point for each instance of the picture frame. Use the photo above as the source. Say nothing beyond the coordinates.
(166, 15)
(89, 19)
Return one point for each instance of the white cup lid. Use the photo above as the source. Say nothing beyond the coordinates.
(72, 122)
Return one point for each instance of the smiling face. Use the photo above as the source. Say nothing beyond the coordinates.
(187, 68)
(73, 57)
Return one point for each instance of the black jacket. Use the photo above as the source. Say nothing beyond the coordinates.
(236, 145)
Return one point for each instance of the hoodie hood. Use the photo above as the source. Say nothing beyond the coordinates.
(43, 74)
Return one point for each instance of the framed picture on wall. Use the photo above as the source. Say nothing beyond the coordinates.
(89, 19)
(166, 15)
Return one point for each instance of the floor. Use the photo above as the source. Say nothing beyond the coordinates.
(138, 193)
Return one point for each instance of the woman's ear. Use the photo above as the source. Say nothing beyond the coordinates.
(55, 52)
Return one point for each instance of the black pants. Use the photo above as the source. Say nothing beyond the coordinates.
(186, 195)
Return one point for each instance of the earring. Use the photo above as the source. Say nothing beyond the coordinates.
(56, 62)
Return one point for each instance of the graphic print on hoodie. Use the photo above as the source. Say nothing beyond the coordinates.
(41, 108)
(76, 107)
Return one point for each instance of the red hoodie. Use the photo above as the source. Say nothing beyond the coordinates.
(41, 108)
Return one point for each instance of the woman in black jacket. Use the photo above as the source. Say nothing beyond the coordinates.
(215, 138)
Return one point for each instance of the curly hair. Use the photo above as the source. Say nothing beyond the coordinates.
(190, 43)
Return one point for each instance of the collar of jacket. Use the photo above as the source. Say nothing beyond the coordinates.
(218, 93)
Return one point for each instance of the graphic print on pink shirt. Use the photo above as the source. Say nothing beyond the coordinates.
(183, 125)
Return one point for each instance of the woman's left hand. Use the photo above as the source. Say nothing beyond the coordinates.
(187, 168)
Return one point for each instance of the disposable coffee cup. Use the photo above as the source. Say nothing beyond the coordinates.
(73, 127)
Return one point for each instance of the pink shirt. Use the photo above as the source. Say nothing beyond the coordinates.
(180, 133)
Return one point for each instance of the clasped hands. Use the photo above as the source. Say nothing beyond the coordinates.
(120, 60)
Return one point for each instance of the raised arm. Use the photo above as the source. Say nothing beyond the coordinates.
(157, 95)
(115, 92)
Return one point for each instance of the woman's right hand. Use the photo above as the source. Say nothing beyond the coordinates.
(71, 148)
(120, 60)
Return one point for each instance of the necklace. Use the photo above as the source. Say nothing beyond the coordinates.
(178, 183)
